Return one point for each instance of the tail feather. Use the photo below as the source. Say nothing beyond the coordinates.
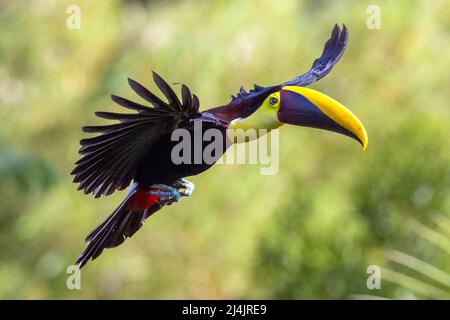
(123, 223)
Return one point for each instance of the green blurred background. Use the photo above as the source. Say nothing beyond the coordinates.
(310, 231)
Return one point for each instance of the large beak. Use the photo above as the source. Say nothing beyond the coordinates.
(306, 107)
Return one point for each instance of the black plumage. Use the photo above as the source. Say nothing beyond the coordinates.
(110, 160)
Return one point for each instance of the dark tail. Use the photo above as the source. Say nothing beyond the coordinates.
(123, 223)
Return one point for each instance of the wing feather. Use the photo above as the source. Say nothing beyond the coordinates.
(109, 160)
(149, 96)
(332, 52)
(168, 92)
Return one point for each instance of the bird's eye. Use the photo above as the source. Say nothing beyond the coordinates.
(273, 101)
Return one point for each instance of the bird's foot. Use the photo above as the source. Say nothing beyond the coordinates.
(185, 187)
(171, 194)
(167, 194)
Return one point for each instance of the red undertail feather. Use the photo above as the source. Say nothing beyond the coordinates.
(141, 200)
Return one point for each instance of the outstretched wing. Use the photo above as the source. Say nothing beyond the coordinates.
(109, 160)
(333, 50)
(245, 102)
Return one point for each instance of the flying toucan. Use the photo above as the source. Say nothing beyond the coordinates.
(138, 147)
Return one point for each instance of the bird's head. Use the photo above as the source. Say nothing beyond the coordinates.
(305, 107)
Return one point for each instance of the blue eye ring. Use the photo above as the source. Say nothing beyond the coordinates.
(273, 101)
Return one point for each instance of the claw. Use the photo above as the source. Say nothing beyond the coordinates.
(167, 194)
(171, 194)
(186, 185)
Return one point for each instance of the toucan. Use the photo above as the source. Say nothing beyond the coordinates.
(137, 149)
